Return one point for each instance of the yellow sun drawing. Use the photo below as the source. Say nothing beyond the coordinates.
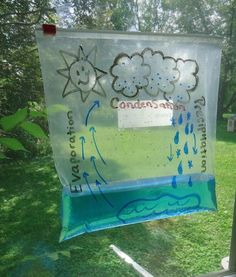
(81, 74)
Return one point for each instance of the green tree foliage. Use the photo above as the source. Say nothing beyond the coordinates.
(18, 127)
(213, 17)
(20, 77)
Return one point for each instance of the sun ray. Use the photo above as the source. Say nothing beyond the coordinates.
(91, 56)
(100, 73)
(84, 95)
(64, 72)
(81, 55)
(68, 58)
(98, 89)
(69, 88)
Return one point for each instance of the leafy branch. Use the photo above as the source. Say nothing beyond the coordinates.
(22, 119)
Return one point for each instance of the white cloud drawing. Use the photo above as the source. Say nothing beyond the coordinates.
(186, 83)
(153, 72)
(163, 74)
(130, 74)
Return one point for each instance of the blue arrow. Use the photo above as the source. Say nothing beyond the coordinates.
(93, 130)
(92, 159)
(171, 156)
(195, 145)
(95, 104)
(85, 175)
(103, 195)
(82, 139)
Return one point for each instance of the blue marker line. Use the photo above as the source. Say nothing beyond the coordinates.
(170, 204)
(195, 145)
(92, 159)
(93, 130)
(171, 156)
(85, 175)
(82, 139)
(103, 195)
(96, 104)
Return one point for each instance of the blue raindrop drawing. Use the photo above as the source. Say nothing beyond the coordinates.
(191, 128)
(173, 121)
(174, 183)
(176, 138)
(180, 168)
(188, 116)
(186, 130)
(180, 120)
(186, 148)
(190, 183)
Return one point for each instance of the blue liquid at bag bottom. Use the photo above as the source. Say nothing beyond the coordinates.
(135, 201)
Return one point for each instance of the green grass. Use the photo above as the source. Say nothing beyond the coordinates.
(181, 246)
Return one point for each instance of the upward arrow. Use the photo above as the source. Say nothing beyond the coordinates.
(93, 131)
(95, 104)
(92, 159)
(82, 139)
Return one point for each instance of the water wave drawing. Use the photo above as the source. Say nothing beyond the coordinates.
(165, 204)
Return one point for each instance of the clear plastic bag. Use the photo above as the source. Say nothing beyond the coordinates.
(132, 122)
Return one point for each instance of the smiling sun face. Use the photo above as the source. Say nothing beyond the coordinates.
(82, 76)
